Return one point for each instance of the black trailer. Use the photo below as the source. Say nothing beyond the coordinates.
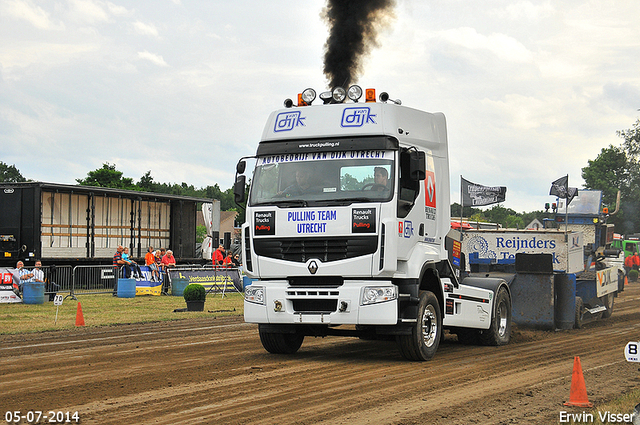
(67, 224)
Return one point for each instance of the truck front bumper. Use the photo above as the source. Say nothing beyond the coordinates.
(283, 304)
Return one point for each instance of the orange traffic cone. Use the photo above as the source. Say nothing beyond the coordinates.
(626, 281)
(578, 395)
(79, 316)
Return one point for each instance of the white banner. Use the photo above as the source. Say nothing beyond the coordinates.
(9, 278)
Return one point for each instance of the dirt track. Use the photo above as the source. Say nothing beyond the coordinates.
(216, 371)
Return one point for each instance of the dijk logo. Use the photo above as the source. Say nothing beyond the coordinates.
(357, 117)
(287, 121)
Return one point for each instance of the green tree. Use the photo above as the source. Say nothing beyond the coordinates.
(609, 172)
(107, 176)
(618, 168)
(10, 173)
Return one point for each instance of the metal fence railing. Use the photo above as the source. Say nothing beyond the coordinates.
(100, 279)
(93, 279)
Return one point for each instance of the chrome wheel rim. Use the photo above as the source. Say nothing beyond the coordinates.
(502, 319)
(429, 326)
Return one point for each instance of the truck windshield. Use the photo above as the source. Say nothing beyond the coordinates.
(323, 177)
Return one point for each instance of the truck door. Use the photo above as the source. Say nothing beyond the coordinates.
(10, 209)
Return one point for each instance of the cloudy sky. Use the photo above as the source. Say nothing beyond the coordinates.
(531, 89)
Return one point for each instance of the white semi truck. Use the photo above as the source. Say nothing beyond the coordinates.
(346, 220)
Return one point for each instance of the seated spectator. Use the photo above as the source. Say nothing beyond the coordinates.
(24, 275)
(131, 268)
(228, 260)
(168, 260)
(150, 261)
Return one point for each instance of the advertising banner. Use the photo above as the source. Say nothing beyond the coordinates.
(9, 278)
(147, 285)
(219, 279)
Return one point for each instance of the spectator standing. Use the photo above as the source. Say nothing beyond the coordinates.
(218, 256)
(117, 262)
(636, 261)
(168, 262)
(628, 263)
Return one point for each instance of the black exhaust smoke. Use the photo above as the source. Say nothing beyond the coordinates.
(353, 30)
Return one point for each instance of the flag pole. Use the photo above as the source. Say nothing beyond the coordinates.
(566, 215)
(461, 204)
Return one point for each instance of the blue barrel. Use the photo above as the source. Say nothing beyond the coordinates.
(126, 288)
(178, 285)
(33, 293)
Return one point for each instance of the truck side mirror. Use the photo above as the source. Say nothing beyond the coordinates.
(238, 190)
(417, 165)
(241, 166)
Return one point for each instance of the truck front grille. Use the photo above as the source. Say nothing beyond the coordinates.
(324, 249)
(315, 306)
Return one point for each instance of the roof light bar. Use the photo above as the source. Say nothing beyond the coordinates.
(339, 94)
(355, 93)
(326, 97)
(370, 95)
(308, 96)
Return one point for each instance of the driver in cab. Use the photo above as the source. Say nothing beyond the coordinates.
(301, 186)
(380, 179)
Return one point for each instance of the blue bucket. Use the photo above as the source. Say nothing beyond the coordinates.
(126, 288)
(33, 293)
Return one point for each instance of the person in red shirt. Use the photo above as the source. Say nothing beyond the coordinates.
(228, 260)
(628, 263)
(150, 261)
(218, 256)
(168, 260)
(636, 261)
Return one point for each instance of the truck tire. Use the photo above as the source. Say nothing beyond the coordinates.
(579, 313)
(425, 336)
(280, 343)
(607, 300)
(499, 333)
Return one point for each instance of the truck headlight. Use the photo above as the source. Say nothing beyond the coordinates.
(378, 294)
(254, 294)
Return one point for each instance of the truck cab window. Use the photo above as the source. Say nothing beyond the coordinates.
(409, 188)
(324, 178)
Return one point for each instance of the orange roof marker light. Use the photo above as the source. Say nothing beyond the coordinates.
(370, 95)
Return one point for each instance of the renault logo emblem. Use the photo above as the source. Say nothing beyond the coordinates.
(313, 267)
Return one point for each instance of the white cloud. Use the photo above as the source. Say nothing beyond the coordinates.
(152, 57)
(503, 46)
(25, 10)
(145, 29)
(88, 11)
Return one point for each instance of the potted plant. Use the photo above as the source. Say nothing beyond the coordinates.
(195, 295)
(633, 275)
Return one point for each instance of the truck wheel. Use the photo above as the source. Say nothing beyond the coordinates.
(280, 343)
(579, 313)
(499, 333)
(425, 336)
(608, 303)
